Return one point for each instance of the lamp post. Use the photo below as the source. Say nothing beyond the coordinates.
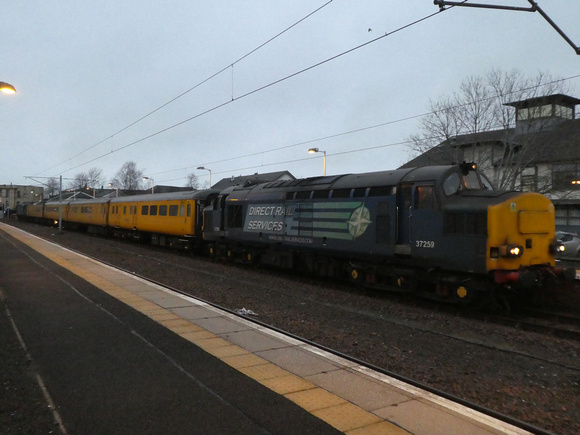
(316, 150)
(116, 190)
(152, 183)
(7, 88)
(206, 169)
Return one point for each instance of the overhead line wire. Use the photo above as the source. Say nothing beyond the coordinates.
(193, 87)
(361, 129)
(301, 159)
(212, 109)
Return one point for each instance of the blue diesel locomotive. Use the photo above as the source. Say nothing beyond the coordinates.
(438, 230)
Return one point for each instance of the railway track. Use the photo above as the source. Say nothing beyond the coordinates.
(537, 325)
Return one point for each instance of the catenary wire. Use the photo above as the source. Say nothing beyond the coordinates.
(351, 132)
(231, 65)
(300, 159)
(259, 89)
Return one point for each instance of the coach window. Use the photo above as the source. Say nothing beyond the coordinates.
(182, 210)
(162, 210)
(173, 210)
(188, 210)
(145, 210)
(153, 210)
(124, 209)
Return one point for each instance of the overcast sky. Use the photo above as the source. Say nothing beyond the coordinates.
(86, 71)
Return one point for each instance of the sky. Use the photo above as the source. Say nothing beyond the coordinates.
(248, 87)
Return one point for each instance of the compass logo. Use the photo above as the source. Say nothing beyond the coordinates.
(358, 221)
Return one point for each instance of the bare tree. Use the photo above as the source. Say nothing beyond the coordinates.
(128, 177)
(482, 105)
(80, 181)
(52, 187)
(95, 177)
(192, 181)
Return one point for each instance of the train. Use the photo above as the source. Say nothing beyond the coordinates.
(439, 231)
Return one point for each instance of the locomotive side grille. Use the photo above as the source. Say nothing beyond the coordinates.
(474, 223)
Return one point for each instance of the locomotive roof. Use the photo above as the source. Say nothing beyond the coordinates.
(179, 196)
(349, 181)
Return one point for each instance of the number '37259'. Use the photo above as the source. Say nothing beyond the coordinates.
(424, 244)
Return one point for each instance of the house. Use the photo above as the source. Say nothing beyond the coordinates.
(540, 154)
(245, 180)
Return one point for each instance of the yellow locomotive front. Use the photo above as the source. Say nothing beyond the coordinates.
(521, 243)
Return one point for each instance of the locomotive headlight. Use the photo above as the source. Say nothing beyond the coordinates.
(511, 251)
(557, 248)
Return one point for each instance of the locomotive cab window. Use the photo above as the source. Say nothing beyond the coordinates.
(425, 197)
(471, 180)
(452, 184)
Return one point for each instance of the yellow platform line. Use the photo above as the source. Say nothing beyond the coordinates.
(334, 410)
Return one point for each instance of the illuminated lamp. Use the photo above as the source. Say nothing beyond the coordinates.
(511, 251)
(7, 88)
(557, 248)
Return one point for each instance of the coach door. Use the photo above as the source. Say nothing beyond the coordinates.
(404, 217)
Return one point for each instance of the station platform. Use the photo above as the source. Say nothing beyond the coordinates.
(113, 353)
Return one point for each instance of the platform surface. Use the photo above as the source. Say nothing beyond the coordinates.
(117, 354)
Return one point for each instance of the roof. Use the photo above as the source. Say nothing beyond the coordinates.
(253, 179)
(561, 143)
(547, 99)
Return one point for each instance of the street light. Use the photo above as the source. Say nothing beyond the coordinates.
(116, 190)
(7, 88)
(152, 183)
(206, 169)
(316, 150)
